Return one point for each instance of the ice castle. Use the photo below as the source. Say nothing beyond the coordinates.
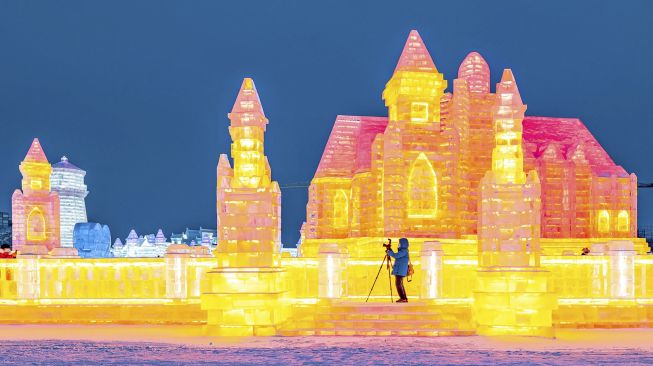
(517, 225)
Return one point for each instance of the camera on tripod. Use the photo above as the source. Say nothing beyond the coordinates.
(387, 263)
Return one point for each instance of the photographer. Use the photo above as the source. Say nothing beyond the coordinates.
(400, 269)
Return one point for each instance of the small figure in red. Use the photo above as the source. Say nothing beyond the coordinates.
(5, 251)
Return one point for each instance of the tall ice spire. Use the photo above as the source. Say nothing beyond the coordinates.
(415, 56)
(247, 133)
(247, 110)
(508, 113)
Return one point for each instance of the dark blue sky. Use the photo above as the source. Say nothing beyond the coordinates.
(137, 92)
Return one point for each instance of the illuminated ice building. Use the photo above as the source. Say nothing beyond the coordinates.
(35, 208)
(417, 172)
(498, 207)
(68, 181)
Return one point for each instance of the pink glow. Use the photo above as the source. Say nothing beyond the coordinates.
(415, 56)
(35, 209)
(476, 71)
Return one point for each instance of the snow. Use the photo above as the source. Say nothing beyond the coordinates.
(174, 345)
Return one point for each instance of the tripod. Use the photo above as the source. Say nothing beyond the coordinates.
(388, 263)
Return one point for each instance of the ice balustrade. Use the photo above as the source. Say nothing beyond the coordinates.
(573, 276)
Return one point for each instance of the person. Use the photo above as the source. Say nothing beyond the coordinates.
(400, 269)
(586, 251)
(5, 251)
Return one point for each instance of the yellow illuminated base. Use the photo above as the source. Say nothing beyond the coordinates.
(514, 301)
(246, 301)
(324, 293)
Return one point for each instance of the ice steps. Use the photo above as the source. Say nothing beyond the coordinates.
(342, 318)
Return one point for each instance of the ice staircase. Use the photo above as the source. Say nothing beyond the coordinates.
(342, 318)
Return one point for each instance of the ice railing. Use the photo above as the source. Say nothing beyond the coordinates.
(107, 278)
(328, 275)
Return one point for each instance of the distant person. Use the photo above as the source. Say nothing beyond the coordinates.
(585, 251)
(400, 269)
(5, 251)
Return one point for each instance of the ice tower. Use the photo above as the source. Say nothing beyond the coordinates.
(513, 295)
(247, 287)
(35, 209)
(411, 196)
(396, 176)
(68, 181)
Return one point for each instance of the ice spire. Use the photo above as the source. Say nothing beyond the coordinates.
(35, 153)
(415, 56)
(508, 113)
(247, 110)
(160, 238)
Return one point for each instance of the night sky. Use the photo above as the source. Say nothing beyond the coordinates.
(137, 92)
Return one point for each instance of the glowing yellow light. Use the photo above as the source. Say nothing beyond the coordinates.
(36, 225)
(604, 221)
(36, 184)
(422, 189)
(419, 112)
(623, 221)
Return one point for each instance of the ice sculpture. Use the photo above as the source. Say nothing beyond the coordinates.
(35, 209)
(512, 294)
(448, 169)
(147, 246)
(247, 286)
(584, 193)
(92, 240)
(68, 181)
(160, 238)
(417, 172)
(248, 201)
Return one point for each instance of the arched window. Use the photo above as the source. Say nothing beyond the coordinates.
(604, 221)
(623, 221)
(340, 209)
(422, 189)
(36, 225)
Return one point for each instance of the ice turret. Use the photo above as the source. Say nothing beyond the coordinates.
(35, 209)
(476, 72)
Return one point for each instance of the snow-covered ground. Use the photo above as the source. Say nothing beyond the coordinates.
(176, 345)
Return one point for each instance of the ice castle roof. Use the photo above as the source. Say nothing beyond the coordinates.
(348, 149)
(65, 164)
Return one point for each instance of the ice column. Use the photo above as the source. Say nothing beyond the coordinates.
(513, 294)
(248, 287)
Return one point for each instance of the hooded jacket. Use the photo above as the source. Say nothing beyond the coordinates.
(401, 258)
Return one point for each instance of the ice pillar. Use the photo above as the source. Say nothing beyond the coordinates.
(621, 275)
(513, 293)
(177, 271)
(331, 267)
(431, 266)
(248, 288)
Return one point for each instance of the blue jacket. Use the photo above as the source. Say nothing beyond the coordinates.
(401, 258)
